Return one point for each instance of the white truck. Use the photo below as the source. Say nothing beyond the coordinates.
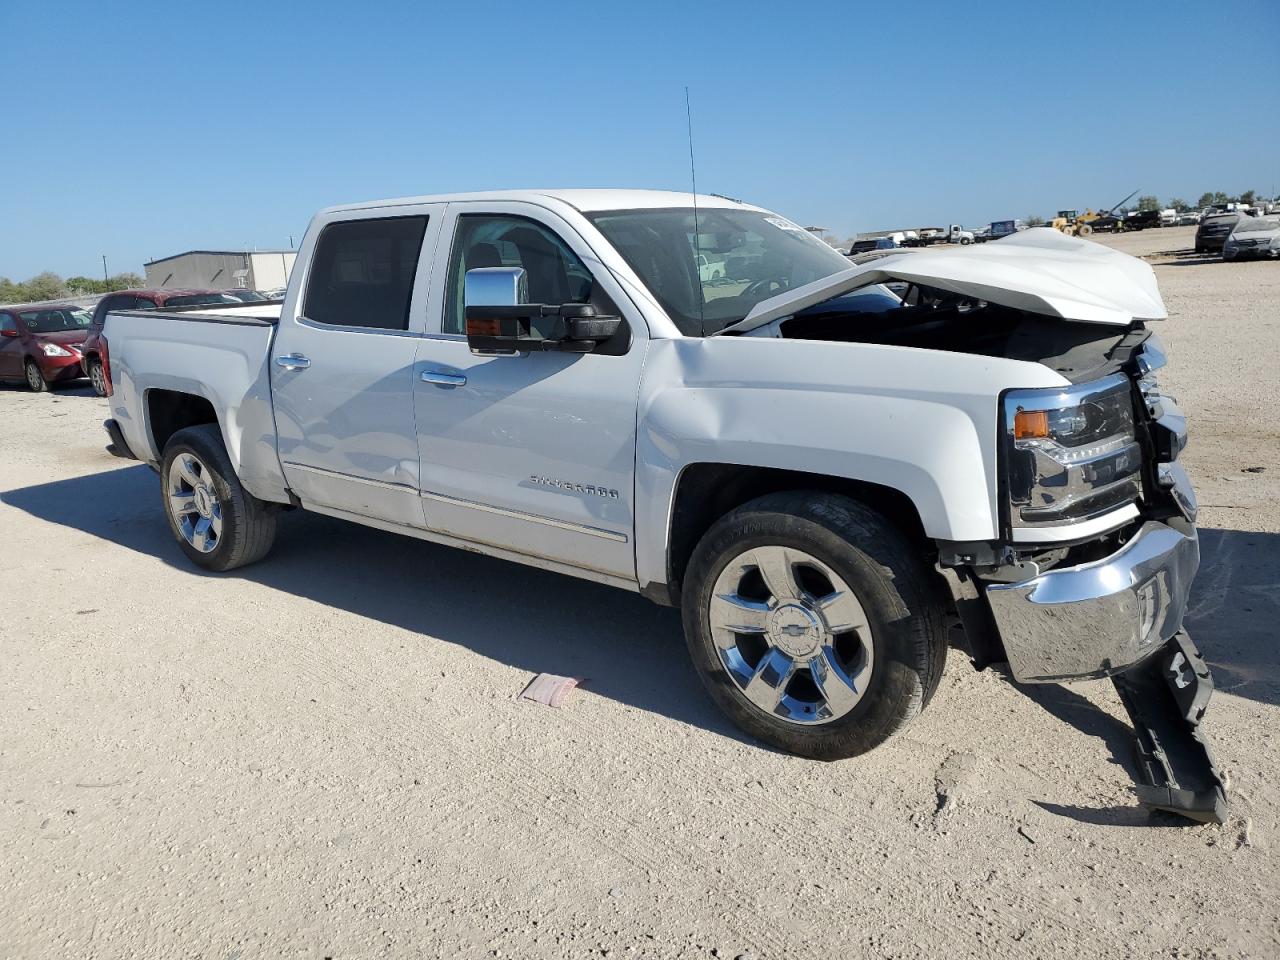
(826, 467)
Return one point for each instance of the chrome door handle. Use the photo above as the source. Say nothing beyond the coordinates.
(293, 361)
(443, 379)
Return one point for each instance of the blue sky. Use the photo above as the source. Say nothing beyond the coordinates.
(142, 129)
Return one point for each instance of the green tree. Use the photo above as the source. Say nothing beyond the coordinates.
(1206, 199)
(1033, 221)
(1249, 196)
(1148, 203)
(1220, 197)
(1179, 204)
(44, 286)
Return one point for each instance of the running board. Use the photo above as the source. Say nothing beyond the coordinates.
(1166, 696)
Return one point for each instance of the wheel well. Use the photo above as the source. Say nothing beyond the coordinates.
(169, 411)
(705, 492)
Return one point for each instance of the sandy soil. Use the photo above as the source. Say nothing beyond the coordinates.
(323, 755)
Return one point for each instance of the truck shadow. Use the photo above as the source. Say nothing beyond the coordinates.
(625, 647)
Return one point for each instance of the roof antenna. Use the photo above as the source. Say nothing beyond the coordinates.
(697, 253)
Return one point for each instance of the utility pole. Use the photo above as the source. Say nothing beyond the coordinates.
(104, 266)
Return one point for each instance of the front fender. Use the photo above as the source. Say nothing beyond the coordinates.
(920, 422)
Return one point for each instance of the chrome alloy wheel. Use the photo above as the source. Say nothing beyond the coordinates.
(193, 503)
(791, 634)
(97, 376)
(34, 379)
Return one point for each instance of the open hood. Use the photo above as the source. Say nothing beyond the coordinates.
(1039, 270)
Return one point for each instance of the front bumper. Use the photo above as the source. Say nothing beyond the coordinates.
(1100, 618)
(61, 369)
(1230, 252)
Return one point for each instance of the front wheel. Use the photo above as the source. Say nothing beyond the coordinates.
(35, 379)
(217, 522)
(814, 624)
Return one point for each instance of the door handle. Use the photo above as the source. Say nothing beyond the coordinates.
(293, 361)
(443, 379)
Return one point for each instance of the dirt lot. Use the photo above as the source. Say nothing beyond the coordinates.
(323, 755)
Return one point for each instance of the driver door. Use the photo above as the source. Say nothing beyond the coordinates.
(532, 452)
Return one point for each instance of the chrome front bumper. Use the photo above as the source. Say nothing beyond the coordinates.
(1099, 618)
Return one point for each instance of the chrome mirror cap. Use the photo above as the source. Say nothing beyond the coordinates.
(495, 287)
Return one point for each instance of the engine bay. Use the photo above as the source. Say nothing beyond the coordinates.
(926, 318)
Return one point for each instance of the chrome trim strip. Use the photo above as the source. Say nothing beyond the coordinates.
(531, 517)
(348, 328)
(367, 481)
(481, 547)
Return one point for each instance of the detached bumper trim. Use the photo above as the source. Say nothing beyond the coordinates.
(117, 447)
(1098, 619)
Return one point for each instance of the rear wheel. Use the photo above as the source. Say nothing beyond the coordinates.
(217, 522)
(1084, 230)
(97, 377)
(813, 623)
(35, 379)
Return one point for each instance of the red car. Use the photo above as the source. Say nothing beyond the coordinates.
(95, 347)
(43, 345)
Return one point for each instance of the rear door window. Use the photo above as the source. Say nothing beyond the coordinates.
(362, 273)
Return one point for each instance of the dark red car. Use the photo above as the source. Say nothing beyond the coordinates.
(95, 347)
(42, 345)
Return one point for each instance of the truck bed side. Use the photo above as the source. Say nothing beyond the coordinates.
(173, 368)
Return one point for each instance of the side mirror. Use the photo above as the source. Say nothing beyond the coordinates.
(498, 320)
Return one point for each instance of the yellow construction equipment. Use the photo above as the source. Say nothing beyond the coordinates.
(1077, 224)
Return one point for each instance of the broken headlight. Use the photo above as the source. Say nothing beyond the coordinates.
(1070, 454)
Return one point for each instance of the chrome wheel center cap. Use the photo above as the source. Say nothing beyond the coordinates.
(795, 630)
(204, 501)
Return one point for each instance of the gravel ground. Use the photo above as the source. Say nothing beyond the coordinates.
(323, 755)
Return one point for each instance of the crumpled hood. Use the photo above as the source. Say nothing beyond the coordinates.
(1038, 270)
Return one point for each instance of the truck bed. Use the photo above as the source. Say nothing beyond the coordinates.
(218, 353)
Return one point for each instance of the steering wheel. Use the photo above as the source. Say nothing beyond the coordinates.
(764, 289)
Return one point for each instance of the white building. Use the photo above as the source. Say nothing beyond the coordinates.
(222, 269)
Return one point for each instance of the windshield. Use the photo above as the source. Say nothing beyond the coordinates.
(1257, 224)
(196, 299)
(711, 280)
(57, 320)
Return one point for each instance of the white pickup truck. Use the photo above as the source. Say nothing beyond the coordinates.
(827, 467)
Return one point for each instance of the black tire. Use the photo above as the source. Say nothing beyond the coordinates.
(36, 382)
(248, 524)
(898, 591)
(97, 378)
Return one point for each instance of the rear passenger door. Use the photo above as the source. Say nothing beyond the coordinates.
(342, 362)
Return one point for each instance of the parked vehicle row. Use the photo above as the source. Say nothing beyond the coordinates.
(55, 343)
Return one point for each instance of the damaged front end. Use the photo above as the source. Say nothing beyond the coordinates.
(1109, 605)
(1097, 549)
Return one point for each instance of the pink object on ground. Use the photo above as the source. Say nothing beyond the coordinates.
(548, 689)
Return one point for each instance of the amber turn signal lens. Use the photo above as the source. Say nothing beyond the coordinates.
(483, 328)
(1030, 424)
